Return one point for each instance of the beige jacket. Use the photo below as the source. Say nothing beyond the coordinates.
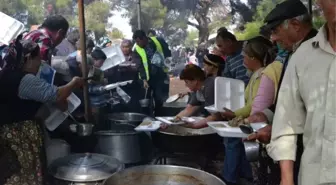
(307, 104)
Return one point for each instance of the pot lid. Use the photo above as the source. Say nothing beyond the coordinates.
(84, 167)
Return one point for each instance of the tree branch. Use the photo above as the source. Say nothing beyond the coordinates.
(193, 24)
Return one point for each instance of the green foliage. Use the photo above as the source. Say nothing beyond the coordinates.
(35, 11)
(152, 14)
(116, 34)
(96, 15)
(265, 7)
(156, 11)
(318, 22)
(11, 7)
(251, 30)
(190, 40)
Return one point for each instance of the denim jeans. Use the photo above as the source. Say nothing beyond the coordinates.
(235, 163)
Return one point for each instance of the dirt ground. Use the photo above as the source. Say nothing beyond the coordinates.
(177, 86)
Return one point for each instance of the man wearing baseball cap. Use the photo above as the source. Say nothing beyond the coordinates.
(307, 106)
(290, 25)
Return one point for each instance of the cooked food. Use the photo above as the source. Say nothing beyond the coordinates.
(182, 131)
(146, 123)
(219, 125)
(235, 122)
(176, 119)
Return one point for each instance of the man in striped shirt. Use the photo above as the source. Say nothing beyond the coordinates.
(232, 49)
(235, 164)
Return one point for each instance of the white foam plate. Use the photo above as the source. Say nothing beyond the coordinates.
(229, 93)
(212, 109)
(125, 82)
(173, 98)
(155, 125)
(225, 130)
(168, 120)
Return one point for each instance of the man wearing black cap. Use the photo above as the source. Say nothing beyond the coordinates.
(290, 25)
(307, 105)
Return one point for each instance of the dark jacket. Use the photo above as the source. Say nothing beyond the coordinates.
(165, 47)
(138, 61)
(12, 108)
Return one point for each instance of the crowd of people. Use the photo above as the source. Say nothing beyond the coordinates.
(24, 91)
(288, 72)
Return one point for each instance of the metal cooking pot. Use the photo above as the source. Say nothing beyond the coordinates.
(162, 174)
(83, 169)
(186, 140)
(124, 121)
(82, 129)
(252, 150)
(144, 102)
(129, 147)
(56, 148)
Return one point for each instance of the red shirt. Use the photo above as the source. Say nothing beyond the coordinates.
(43, 39)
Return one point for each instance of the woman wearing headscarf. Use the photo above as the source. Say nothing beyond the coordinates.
(202, 85)
(268, 171)
(269, 83)
(213, 65)
(22, 94)
(258, 53)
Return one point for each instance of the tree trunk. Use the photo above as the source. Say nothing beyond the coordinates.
(203, 28)
(200, 14)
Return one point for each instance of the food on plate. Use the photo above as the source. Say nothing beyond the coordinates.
(235, 122)
(146, 123)
(182, 131)
(176, 119)
(219, 125)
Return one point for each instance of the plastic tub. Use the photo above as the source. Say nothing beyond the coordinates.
(56, 116)
(10, 28)
(114, 57)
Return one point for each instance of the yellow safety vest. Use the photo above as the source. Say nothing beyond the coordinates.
(158, 45)
(159, 49)
(144, 60)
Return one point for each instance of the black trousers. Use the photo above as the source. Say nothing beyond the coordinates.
(269, 172)
(159, 84)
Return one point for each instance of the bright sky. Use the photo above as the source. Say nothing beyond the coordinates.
(121, 23)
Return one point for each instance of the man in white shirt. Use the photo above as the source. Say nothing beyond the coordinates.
(307, 105)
